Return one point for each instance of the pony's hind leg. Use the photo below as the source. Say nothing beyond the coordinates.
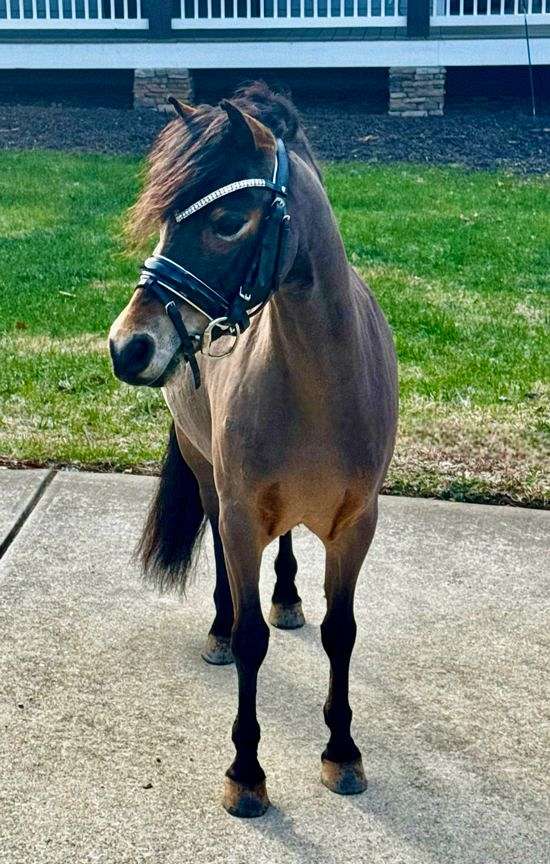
(342, 767)
(286, 605)
(218, 649)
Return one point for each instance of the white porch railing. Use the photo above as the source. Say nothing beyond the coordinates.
(267, 14)
(246, 14)
(71, 14)
(467, 13)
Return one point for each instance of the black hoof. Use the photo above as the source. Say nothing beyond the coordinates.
(245, 802)
(344, 778)
(287, 617)
(217, 651)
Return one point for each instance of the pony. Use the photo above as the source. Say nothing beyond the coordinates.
(287, 418)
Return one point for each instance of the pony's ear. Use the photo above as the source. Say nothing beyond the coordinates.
(246, 130)
(186, 112)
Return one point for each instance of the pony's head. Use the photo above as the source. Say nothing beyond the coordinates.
(200, 151)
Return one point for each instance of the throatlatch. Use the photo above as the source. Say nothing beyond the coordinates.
(167, 279)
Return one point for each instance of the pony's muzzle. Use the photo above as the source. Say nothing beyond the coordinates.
(132, 357)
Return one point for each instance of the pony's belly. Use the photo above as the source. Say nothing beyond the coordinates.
(325, 504)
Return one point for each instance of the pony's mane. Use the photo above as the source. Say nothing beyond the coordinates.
(188, 159)
(274, 110)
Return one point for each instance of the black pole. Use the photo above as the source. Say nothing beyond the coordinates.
(528, 43)
(159, 13)
(418, 18)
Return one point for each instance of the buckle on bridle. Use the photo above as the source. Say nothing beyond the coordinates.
(207, 337)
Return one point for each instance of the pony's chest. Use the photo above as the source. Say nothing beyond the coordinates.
(191, 413)
(270, 440)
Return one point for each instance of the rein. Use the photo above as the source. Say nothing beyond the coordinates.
(167, 279)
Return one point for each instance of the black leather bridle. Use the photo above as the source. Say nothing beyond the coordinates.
(166, 279)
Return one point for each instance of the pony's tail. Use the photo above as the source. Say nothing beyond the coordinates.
(174, 526)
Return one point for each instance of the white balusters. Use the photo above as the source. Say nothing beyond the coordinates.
(65, 14)
(102, 14)
(489, 12)
(291, 13)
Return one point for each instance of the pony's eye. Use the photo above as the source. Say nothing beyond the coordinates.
(228, 225)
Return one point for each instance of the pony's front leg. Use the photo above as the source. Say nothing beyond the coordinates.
(342, 766)
(245, 790)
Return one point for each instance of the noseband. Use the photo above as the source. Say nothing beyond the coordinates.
(166, 279)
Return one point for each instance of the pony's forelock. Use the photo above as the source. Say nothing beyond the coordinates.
(189, 158)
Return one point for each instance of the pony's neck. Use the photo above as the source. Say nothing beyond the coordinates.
(314, 298)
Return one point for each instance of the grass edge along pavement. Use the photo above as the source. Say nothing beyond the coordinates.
(458, 260)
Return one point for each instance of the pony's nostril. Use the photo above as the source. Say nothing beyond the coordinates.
(135, 356)
(140, 351)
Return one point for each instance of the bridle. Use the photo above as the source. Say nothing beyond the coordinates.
(166, 279)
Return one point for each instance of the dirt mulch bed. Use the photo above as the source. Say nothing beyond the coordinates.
(506, 139)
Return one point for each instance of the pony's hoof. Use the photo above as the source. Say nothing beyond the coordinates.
(243, 801)
(217, 651)
(345, 778)
(287, 617)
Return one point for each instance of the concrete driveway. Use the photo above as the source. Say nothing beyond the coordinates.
(115, 734)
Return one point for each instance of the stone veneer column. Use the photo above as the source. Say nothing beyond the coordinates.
(152, 86)
(417, 91)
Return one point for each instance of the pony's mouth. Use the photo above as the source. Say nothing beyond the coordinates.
(168, 371)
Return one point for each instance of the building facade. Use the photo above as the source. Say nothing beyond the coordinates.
(164, 41)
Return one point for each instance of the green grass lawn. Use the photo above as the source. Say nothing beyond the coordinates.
(458, 260)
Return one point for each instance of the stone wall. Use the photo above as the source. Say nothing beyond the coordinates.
(417, 91)
(152, 86)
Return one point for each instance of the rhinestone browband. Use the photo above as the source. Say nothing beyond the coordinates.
(254, 182)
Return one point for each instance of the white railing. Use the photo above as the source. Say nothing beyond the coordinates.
(71, 14)
(268, 14)
(466, 13)
(246, 14)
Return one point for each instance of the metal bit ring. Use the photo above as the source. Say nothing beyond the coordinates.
(222, 324)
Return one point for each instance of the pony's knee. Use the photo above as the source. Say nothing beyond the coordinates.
(249, 640)
(338, 634)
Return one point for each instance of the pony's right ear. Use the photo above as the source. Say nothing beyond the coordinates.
(246, 130)
(186, 112)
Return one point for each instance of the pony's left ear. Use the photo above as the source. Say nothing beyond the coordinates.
(246, 130)
(186, 112)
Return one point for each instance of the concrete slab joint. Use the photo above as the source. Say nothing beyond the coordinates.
(417, 91)
(153, 86)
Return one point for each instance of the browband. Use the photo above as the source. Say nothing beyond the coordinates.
(250, 183)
